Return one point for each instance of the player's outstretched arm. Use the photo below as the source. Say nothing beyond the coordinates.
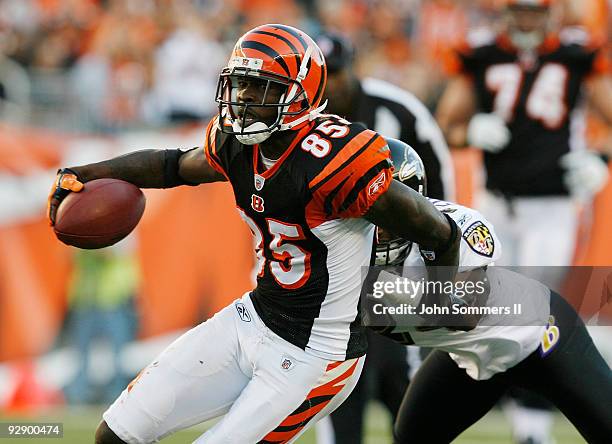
(145, 169)
(153, 168)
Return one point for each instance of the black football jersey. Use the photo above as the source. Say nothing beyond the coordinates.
(536, 95)
(311, 241)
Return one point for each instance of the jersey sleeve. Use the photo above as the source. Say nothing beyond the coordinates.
(462, 58)
(352, 181)
(588, 52)
(601, 64)
(480, 245)
(453, 62)
(211, 143)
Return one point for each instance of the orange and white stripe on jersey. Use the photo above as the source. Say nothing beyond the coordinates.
(352, 181)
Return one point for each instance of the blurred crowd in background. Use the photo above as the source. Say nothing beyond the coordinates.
(108, 65)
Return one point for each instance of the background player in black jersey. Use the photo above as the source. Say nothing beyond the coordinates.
(310, 186)
(517, 96)
(391, 112)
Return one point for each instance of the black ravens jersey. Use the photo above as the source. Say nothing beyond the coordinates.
(535, 94)
(305, 213)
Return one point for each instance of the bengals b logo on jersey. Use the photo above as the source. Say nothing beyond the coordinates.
(257, 203)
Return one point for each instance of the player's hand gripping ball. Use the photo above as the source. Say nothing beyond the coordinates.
(93, 215)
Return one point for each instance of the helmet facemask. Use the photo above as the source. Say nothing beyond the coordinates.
(391, 252)
(283, 94)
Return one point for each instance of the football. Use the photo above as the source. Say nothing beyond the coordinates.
(102, 214)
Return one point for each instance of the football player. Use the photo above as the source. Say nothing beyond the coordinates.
(516, 95)
(391, 112)
(546, 349)
(310, 186)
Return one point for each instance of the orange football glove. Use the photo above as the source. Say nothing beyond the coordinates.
(67, 181)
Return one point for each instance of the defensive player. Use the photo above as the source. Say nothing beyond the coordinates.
(310, 186)
(517, 96)
(391, 112)
(545, 349)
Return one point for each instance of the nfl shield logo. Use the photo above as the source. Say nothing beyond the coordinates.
(286, 363)
(259, 182)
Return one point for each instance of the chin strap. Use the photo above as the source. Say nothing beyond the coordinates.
(253, 139)
(313, 114)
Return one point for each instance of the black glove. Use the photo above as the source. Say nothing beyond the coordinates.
(66, 181)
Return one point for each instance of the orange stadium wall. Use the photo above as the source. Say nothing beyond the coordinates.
(194, 251)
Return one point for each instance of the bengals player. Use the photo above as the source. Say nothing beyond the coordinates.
(310, 186)
(517, 95)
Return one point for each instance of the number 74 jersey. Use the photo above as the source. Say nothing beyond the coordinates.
(305, 213)
(535, 93)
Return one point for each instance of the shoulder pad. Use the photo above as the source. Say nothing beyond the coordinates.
(575, 35)
(479, 37)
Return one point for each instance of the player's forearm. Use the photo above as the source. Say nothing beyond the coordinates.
(456, 135)
(145, 169)
(407, 214)
(455, 108)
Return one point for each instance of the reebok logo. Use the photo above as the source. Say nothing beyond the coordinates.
(378, 183)
(243, 312)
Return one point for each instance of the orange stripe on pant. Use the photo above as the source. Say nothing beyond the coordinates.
(302, 418)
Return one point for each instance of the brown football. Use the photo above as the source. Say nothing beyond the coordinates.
(100, 215)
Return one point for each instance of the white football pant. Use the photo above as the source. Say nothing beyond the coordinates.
(268, 389)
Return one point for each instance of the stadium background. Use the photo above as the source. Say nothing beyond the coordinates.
(82, 80)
